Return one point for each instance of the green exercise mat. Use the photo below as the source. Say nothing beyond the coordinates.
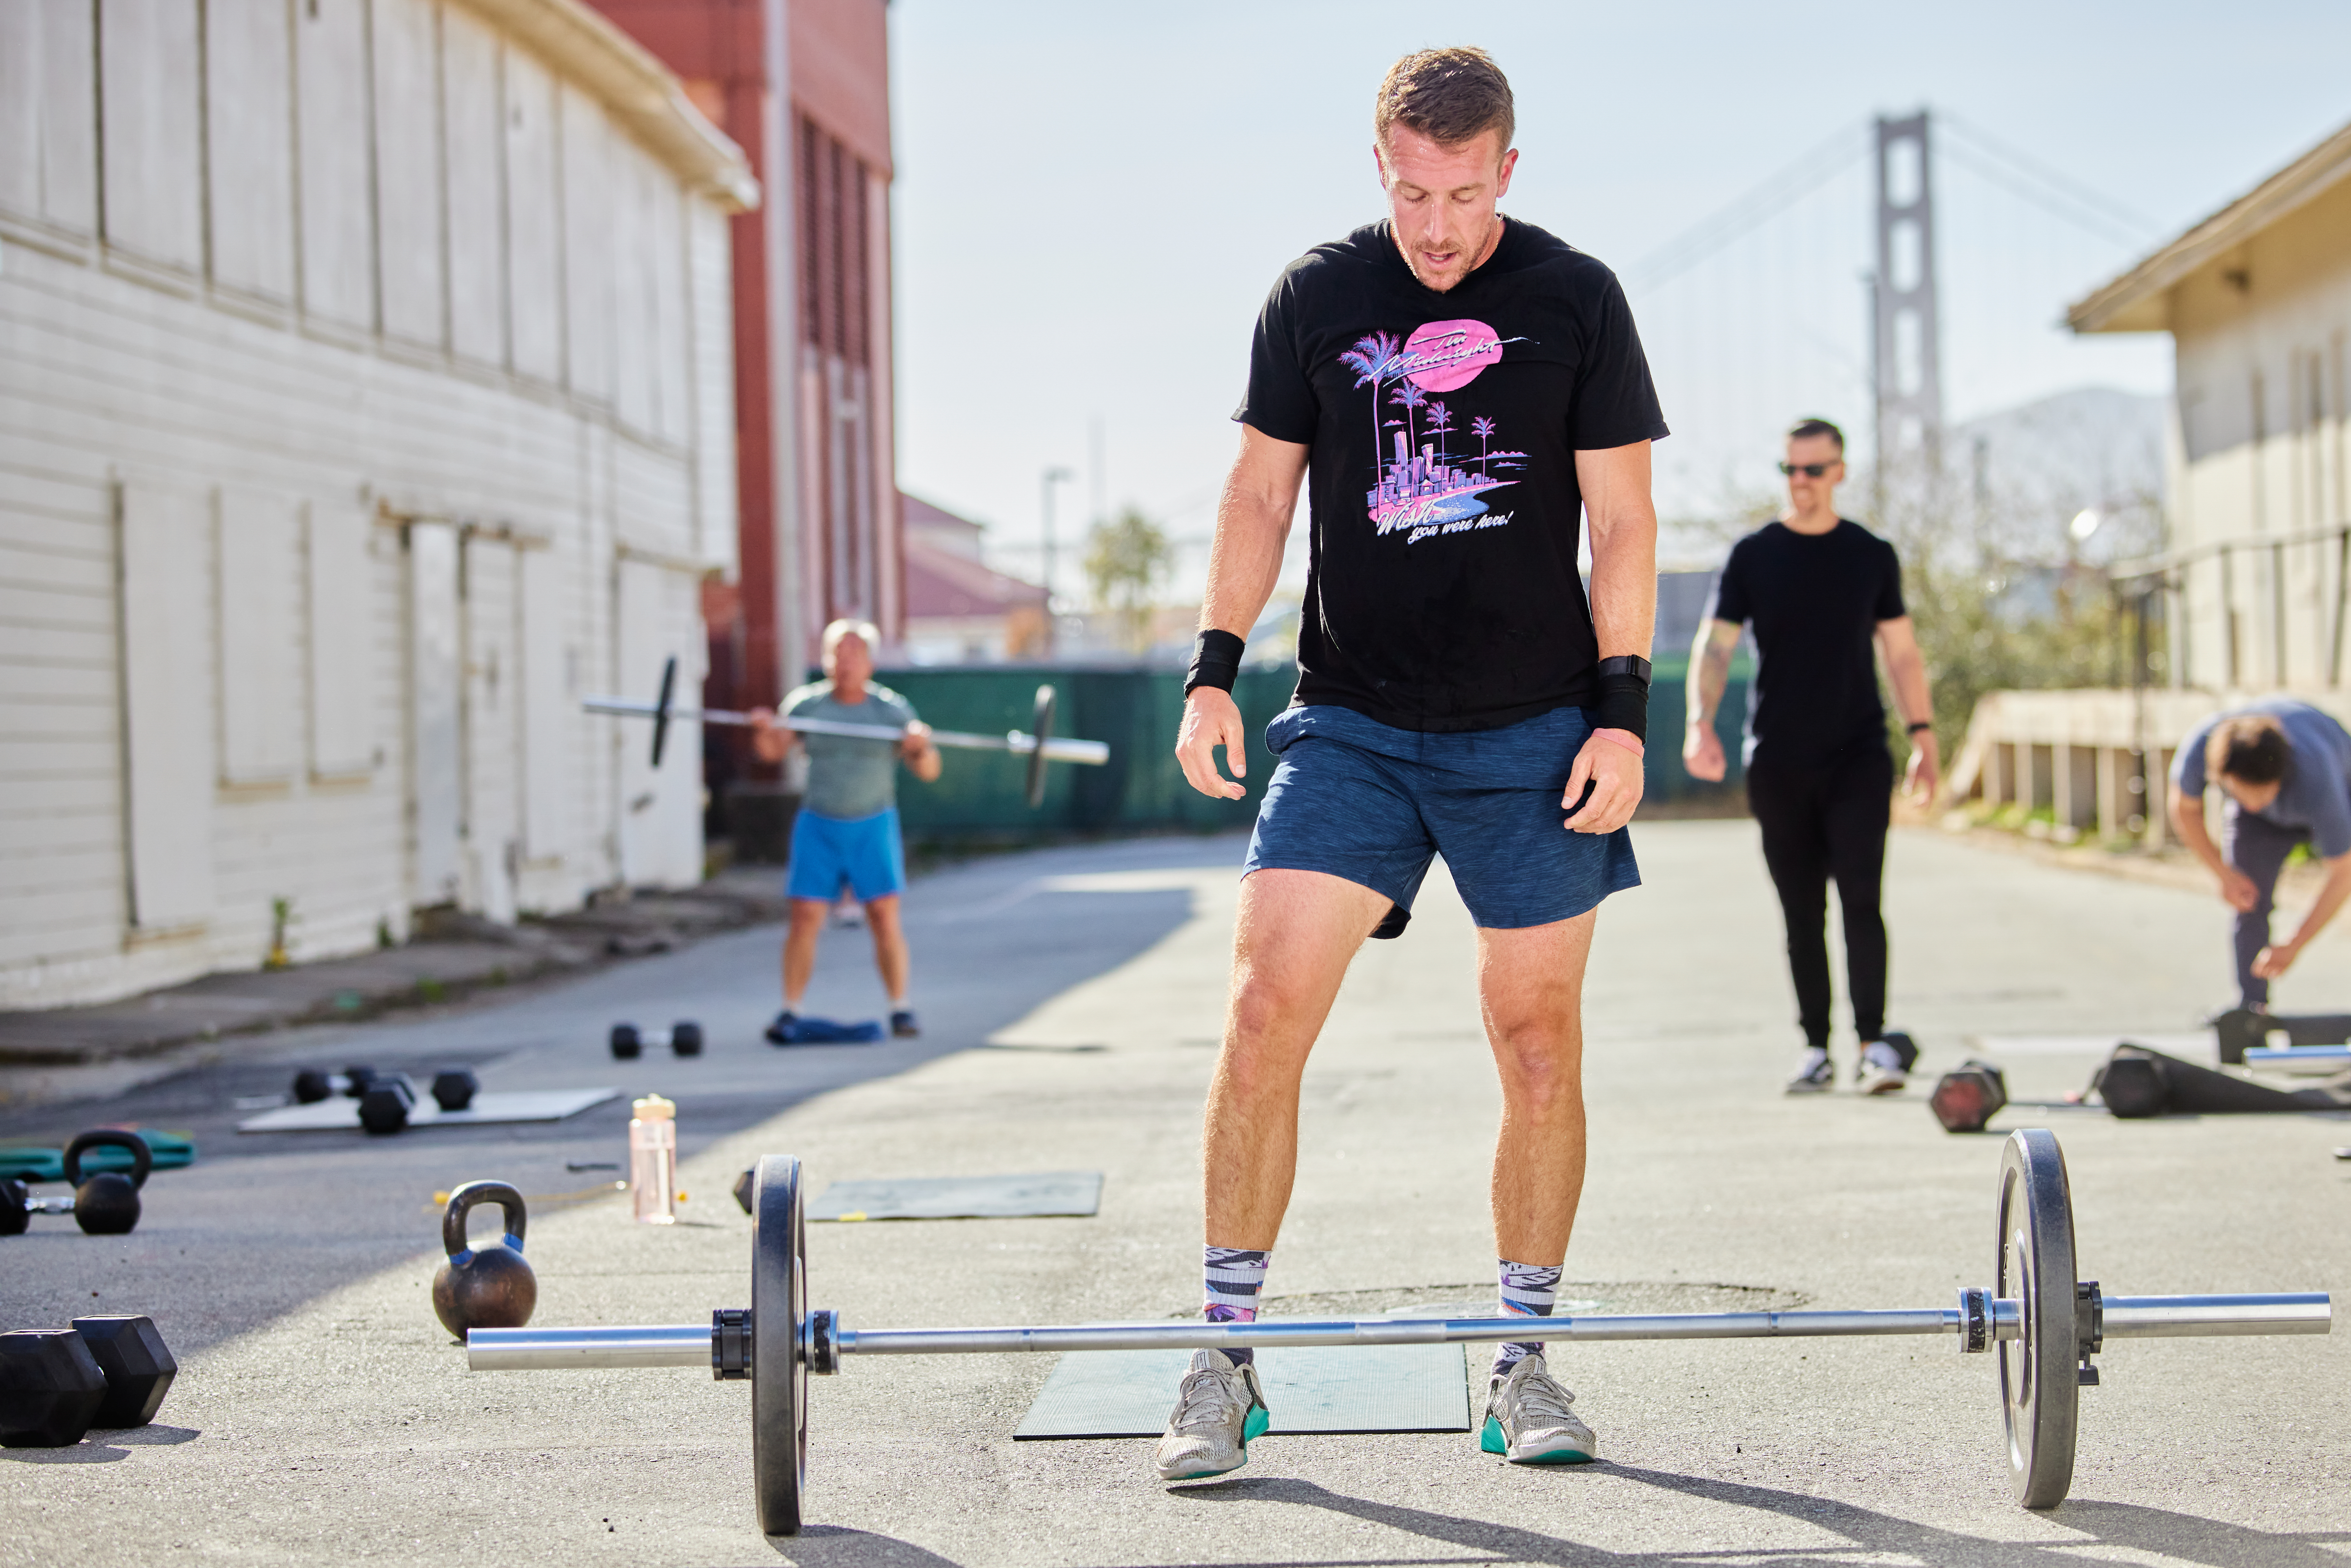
(21, 1162)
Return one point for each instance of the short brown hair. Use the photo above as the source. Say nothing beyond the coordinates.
(2249, 747)
(1450, 96)
(1806, 429)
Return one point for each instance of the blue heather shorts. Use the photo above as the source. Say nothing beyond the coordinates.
(1356, 799)
(863, 852)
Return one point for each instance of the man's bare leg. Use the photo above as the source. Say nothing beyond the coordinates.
(1296, 933)
(1531, 989)
(889, 954)
(799, 947)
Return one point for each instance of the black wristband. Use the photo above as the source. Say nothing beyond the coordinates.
(1915, 729)
(1626, 664)
(1216, 661)
(1623, 697)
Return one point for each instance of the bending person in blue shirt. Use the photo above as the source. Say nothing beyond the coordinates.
(846, 831)
(2286, 768)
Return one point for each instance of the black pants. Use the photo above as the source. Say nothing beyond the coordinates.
(1820, 823)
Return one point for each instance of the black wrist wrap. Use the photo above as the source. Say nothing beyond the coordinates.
(1624, 704)
(1216, 661)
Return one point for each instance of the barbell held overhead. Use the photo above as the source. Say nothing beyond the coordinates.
(2042, 1323)
(661, 710)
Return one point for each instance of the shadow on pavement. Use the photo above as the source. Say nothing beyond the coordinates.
(262, 1224)
(822, 1545)
(2156, 1531)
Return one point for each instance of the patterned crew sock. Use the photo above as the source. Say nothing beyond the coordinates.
(1234, 1275)
(1527, 1290)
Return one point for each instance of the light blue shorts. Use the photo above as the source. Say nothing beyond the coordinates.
(865, 853)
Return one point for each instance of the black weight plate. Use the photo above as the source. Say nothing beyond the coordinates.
(1040, 725)
(778, 1366)
(2039, 1391)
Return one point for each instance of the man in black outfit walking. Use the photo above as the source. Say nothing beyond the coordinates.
(1820, 591)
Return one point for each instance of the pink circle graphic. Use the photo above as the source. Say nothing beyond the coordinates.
(1450, 354)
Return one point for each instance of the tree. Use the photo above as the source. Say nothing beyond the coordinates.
(1440, 424)
(1408, 397)
(1372, 358)
(1483, 429)
(1126, 559)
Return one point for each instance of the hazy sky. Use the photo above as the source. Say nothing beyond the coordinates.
(1092, 201)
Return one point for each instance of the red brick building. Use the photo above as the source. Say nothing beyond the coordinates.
(802, 86)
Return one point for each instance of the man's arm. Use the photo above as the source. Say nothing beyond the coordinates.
(1244, 562)
(1616, 484)
(1905, 669)
(2237, 889)
(1709, 677)
(2277, 958)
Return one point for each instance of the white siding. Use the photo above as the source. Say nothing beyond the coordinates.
(337, 173)
(260, 655)
(534, 220)
(408, 168)
(340, 642)
(249, 145)
(167, 739)
(154, 184)
(471, 127)
(214, 651)
(49, 161)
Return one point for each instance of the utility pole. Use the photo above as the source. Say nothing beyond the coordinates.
(1052, 477)
(1907, 360)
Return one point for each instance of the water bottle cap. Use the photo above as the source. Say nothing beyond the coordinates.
(653, 1108)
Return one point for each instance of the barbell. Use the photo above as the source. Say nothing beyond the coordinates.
(1037, 743)
(2041, 1322)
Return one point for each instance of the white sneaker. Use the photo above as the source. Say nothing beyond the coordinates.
(1218, 1409)
(1881, 1070)
(1814, 1074)
(1528, 1421)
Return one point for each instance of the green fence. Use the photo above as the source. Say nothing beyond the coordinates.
(980, 797)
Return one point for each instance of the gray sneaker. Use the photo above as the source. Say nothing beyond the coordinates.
(1881, 1070)
(1218, 1409)
(1814, 1074)
(1528, 1421)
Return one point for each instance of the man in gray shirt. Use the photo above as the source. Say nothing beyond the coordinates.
(846, 834)
(2286, 766)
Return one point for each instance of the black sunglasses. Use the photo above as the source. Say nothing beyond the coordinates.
(1810, 470)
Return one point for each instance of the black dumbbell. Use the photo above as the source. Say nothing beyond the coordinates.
(50, 1388)
(385, 1108)
(453, 1088)
(137, 1365)
(684, 1038)
(1967, 1096)
(310, 1085)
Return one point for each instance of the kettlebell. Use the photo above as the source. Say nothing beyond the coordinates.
(108, 1203)
(486, 1287)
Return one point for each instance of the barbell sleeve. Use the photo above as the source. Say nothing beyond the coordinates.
(2197, 1317)
(558, 1349)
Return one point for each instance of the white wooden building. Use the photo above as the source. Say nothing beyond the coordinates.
(365, 400)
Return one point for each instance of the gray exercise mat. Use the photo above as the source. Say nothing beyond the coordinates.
(517, 1105)
(1308, 1388)
(962, 1197)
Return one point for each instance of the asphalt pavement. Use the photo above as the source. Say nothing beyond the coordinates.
(1072, 1000)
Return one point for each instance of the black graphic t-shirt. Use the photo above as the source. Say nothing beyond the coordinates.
(1441, 591)
(1816, 601)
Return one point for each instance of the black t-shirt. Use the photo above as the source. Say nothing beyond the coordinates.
(1816, 601)
(1441, 588)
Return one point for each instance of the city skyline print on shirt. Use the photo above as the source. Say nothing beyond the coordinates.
(1418, 485)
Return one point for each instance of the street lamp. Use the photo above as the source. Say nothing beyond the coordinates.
(1052, 477)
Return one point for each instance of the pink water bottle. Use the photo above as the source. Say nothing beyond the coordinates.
(652, 1160)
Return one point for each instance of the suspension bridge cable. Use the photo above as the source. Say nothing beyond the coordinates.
(1968, 157)
(1761, 202)
(1986, 144)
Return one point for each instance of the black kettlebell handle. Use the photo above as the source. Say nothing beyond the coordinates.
(453, 1218)
(143, 1158)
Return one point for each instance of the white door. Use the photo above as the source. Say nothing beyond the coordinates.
(434, 798)
(657, 617)
(493, 773)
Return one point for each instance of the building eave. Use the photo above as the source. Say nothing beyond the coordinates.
(641, 92)
(2139, 301)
